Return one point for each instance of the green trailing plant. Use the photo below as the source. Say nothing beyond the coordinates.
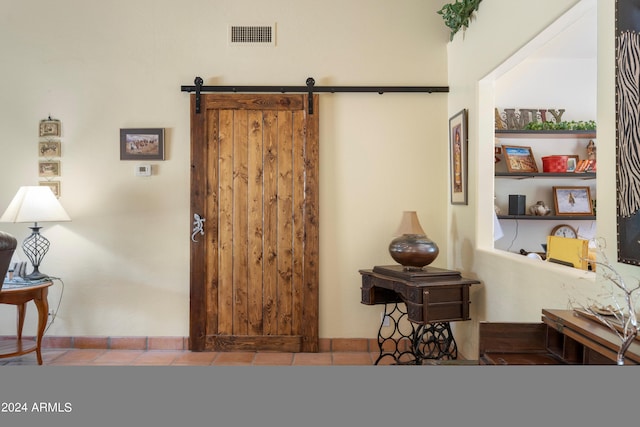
(571, 125)
(458, 15)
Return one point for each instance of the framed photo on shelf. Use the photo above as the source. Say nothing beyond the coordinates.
(53, 185)
(572, 163)
(142, 144)
(572, 201)
(49, 148)
(459, 157)
(48, 168)
(519, 159)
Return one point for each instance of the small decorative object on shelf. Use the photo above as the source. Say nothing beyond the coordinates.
(564, 230)
(557, 164)
(591, 150)
(412, 249)
(534, 119)
(539, 209)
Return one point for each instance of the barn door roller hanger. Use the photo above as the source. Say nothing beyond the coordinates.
(310, 88)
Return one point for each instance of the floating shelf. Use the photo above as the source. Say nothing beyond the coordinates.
(526, 175)
(512, 133)
(550, 217)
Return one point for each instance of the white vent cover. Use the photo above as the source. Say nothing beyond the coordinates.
(252, 35)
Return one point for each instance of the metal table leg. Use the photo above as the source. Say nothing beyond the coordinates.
(395, 341)
(434, 341)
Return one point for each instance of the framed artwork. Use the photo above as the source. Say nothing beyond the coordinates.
(142, 144)
(48, 168)
(49, 149)
(53, 185)
(458, 157)
(519, 159)
(627, 34)
(572, 201)
(49, 127)
(572, 163)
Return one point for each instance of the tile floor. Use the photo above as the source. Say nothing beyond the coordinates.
(103, 357)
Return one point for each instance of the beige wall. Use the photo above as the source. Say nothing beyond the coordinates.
(515, 288)
(102, 66)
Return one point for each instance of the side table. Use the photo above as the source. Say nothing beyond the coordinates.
(433, 297)
(19, 294)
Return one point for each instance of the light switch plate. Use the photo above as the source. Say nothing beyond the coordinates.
(143, 170)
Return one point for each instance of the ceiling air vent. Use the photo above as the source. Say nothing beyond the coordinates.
(252, 35)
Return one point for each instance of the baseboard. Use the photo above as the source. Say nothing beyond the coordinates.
(182, 343)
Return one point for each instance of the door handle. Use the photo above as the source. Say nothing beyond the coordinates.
(198, 227)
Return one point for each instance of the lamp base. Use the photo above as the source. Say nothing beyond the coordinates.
(35, 246)
(36, 275)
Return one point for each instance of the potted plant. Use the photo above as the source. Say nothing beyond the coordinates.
(458, 15)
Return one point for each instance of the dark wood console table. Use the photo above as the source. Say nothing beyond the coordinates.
(564, 337)
(432, 297)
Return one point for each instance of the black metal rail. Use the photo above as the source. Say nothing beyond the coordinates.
(310, 88)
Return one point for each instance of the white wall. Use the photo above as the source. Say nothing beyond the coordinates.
(515, 288)
(102, 66)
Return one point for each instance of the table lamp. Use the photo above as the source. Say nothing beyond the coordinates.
(412, 249)
(35, 204)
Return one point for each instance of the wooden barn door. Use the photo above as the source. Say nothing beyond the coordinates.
(254, 204)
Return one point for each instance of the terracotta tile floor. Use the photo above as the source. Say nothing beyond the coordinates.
(99, 357)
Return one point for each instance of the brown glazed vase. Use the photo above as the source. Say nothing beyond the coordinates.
(413, 251)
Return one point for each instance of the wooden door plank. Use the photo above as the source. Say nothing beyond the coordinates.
(270, 325)
(279, 343)
(285, 226)
(198, 177)
(311, 220)
(255, 102)
(210, 242)
(299, 141)
(225, 232)
(240, 221)
(255, 222)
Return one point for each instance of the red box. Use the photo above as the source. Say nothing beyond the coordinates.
(554, 163)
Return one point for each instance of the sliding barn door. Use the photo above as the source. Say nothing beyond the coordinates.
(254, 205)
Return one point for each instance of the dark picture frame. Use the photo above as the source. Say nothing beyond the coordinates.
(627, 34)
(459, 158)
(519, 159)
(142, 144)
(573, 200)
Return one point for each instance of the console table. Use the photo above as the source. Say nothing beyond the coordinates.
(564, 337)
(19, 294)
(432, 297)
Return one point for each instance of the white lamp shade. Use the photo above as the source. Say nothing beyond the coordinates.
(34, 204)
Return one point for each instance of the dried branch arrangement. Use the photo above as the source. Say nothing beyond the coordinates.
(620, 314)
